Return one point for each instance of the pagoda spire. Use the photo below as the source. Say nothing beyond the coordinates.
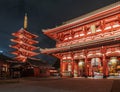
(25, 21)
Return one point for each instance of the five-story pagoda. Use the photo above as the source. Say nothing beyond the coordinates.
(24, 42)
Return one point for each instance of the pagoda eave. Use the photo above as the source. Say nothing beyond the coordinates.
(24, 46)
(23, 31)
(32, 35)
(24, 52)
(20, 58)
(26, 40)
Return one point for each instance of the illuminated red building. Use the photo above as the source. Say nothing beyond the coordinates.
(88, 45)
(24, 42)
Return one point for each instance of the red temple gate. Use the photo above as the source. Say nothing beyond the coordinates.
(89, 45)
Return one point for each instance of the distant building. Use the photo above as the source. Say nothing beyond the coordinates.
(4, 66)
(31, 68)
(88, 46)
(40, 68)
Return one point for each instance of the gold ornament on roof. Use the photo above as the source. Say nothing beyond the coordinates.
(25, 21)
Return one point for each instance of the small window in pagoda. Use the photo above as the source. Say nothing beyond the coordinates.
(88, 31)
(82, 33)
(76, 35)
(69, 57)
(64, 57)
(70, 37)
(66, 38)
(107, 26)
(115, 24)
(98, 28)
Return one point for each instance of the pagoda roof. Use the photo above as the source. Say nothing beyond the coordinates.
(37, 63)
(25, 33)
(24, 52)
(87, 18)
(4, 58)
(30, 61)
(83, 45)
(24, 39)
(20, 58)
(24, 46)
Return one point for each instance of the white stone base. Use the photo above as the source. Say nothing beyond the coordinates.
(113, 77)
(98, 77)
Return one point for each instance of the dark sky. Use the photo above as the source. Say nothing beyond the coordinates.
(42, 14)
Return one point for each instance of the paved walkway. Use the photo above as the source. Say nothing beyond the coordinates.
(62, 85)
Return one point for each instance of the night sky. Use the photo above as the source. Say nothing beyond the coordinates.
(42, 14)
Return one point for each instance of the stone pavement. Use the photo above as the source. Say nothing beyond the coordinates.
(62, 85)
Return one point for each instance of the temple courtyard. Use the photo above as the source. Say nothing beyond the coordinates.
(60, 85)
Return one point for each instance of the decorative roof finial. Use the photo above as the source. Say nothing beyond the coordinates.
(25, 21)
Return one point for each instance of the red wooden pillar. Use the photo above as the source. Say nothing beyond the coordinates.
(86, 67)
(36, 71)
(104, 66)
(91, 72)
(86, 64)
(61, 66)
(72, 64)
(72, 67)
(105, 74)
(76, 69)
(60, 56)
